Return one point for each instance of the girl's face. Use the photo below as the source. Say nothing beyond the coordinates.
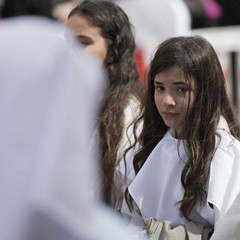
(89, 35)
(173, 96)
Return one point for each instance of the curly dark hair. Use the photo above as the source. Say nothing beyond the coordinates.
(123, 80)
(197, 59)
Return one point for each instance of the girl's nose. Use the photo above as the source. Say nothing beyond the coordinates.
(168, 100)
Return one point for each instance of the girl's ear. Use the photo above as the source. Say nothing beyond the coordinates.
(112, 55)
(109, 57)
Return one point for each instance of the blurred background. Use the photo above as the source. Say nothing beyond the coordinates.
(156, 20)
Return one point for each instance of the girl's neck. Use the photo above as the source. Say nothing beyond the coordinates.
(176, 133)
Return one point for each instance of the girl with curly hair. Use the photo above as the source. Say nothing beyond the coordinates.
(105, 31)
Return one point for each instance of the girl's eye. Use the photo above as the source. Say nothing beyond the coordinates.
(159, 88)
(83, 41)
(182, 90)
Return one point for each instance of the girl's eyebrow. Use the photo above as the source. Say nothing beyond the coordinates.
(157, 83)
(174, 83)
(83, 37)
(180, 83)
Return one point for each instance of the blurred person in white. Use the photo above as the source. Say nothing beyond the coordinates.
(155, 21)
(49, 95)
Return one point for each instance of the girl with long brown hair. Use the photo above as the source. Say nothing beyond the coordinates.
(185, 164)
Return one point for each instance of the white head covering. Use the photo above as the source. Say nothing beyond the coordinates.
(49, 96)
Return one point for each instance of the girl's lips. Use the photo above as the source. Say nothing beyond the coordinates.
(169, 114)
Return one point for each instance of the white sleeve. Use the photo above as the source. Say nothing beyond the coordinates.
(130, 114)
(224, 175)
(127, 172)
(229, 225)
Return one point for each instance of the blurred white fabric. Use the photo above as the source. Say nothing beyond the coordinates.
(50, 92)
(156, 20)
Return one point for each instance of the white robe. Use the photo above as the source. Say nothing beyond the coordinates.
(157, 187)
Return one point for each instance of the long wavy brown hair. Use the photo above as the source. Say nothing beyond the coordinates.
(123, 81)
(197, 59)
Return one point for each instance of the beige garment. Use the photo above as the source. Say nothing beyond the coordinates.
(163, 230)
